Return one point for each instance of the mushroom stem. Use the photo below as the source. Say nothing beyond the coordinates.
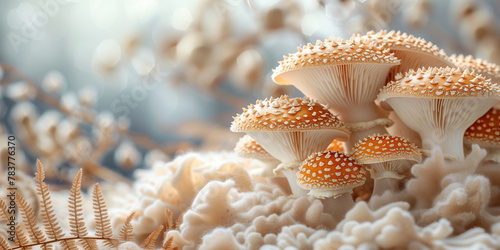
(381, 185)
(493, 154)
(441, 122)
(356, 136)
(339, 206)
(450, 143)
(363, 121)
(282, 182)
(291, 175)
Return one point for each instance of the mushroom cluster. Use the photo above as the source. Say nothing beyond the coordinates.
(432, 98)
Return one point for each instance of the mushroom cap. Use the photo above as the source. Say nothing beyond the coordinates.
(336, 146)
(248, 147)
(330, 170)
(487, 69)
(383, 148)
(440, 83)
(333, 51)
(486, 130)
(397, 41)
(286, 114)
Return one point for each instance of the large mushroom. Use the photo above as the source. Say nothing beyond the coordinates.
(440, 104)
(480, 66)
(414, 53)
(387, 157)
(486, 133)
(346, 75)
(331, 177)
(290, 129)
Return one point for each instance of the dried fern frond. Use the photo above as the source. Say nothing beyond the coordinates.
(169, 222)
(75, 208)
(22, 241)
(103, 224)
(178, 222)
(4, 211)
(52, 227)
(126, 233)
(3, 244)
(29, 220)
(168, 243)
(29, 234)
(150, 241)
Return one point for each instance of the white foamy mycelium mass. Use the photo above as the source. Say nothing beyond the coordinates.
(447, 204)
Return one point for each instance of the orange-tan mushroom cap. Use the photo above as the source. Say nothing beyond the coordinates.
(336, 146)
(287, 114)
(330, 173)
(487, 69)
(333, 51)
(439, 83)
(382, 148)
(486, 130)
(402, 41)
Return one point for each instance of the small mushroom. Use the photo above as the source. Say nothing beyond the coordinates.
(336, 145)
(440, 104)
(486, 133)
(387, 157)
(290, 129)
(331, 177)
(249, 148)
(344, 74)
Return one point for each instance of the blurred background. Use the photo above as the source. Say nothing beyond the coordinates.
(112, 85)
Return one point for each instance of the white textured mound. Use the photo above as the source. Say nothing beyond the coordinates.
(446, 204)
